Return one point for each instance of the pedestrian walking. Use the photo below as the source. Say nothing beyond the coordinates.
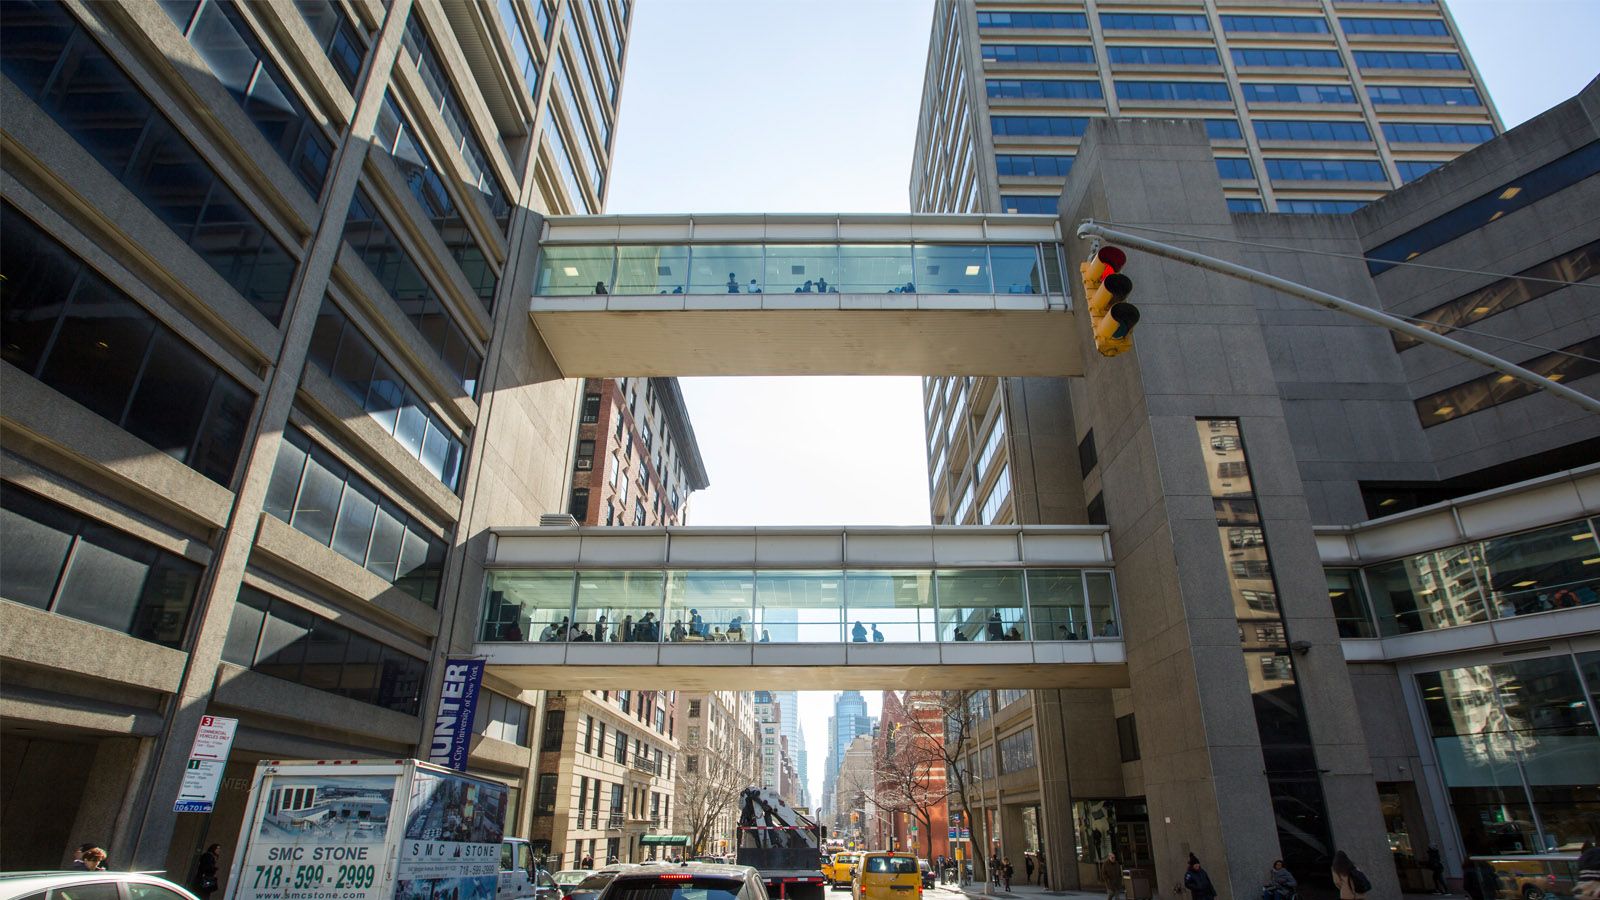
(1027, 867)
(94, 860)
(1006, 871)
(1588, 886)
(1111, 876)
(1197, 881)
(1436, 866)
(1352, 883)
(205, 872)
(588, 862)
(1043, 872)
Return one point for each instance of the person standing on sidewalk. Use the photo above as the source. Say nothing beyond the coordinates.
(1436, 866)
(1111, 876)
(1027, 866)
(1197, 881)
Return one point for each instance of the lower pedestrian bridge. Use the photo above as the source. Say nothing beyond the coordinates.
(703, 608)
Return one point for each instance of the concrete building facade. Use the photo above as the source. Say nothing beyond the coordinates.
(721, 756)
(849, 721)
(1250, 440)
(268, 377)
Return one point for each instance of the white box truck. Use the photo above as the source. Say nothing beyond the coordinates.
(378, 830)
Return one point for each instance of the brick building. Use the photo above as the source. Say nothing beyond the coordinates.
(636, 459)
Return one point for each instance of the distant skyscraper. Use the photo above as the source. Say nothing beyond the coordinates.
(849, 721)
(789, 727)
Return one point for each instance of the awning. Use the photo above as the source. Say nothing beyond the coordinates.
(670, 840)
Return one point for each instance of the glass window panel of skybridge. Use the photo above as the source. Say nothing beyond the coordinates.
(981, 605)
(701, 606)
(611, 604)
(800, 606)
(898, 605)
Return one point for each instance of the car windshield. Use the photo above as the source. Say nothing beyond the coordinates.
(569, 877)
(676, 888)
(893, 865)
(596, 881)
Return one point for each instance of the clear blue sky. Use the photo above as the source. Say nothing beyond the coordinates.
(811, 106)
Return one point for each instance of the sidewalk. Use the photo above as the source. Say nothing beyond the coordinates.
(1020, 890)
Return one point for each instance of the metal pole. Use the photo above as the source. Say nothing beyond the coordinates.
(1338, 304)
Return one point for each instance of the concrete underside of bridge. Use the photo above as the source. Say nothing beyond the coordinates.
(815, 678)
(808, 334)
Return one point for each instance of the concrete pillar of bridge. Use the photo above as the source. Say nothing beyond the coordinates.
(1200, 353)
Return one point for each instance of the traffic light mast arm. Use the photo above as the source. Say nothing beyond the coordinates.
(1089, 229)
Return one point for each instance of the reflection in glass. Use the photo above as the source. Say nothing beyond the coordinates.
(528, 606)
(725, 269)
(1102, 604)
(875, 269)
(1056, 601)
(1349, 602)
(708, 606)
(610, 606)
(981, 605)
(897, 605)
(1017, 269)
(1431, 590)
(800, 268)
(565, 271)
(652, 269)
(1297, 799)
(800, 606)
(1536, 571)
(952, 269)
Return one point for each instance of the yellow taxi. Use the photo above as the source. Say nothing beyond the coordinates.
(887, 876)
(841, 868)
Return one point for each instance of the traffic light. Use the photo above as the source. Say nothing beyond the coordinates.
(1106, 290)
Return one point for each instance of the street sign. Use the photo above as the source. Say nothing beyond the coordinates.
(208, 757)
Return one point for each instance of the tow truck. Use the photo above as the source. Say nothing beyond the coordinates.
(782, 845)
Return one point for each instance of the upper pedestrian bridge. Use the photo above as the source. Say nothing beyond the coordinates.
(683, 295)
(931, 607)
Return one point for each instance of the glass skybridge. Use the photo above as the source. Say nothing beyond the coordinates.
(804, 294)
(1001, 605)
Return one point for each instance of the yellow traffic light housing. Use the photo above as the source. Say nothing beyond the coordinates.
(1105, 289)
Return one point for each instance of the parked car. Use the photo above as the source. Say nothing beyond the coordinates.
(100, 885)
(927, 873)
(568, 879)
(592, 886)
(841, 869)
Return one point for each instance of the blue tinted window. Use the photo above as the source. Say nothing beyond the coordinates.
(569, 172)
(1233, 167)
(398, 274)
(1223, 130)
(527, 64)
(1285, 24)
(1245, 205)
(1015, 203)
(420, 52)
(395, 134)
(341, 350)
(1213, 91)
(1325, 170)
(1391, 59)
(579, 118)
(1394, 26)
(1038, 88)
(1298, 93)
(1032, 20)
(77, 567)
(228, 46)
(1411, 170)
(1309, 59)
(1424, 96)
(1047, 53)
(1017, 164)
(1324, 207)
(1038, 126)
(1417, 133)
(1311, 130)
(1152, 22)
(344, 44)
(47, 54)
(74, 330)
(316, 494)
(1493, 389)
(1163, 56)
(1474, 214)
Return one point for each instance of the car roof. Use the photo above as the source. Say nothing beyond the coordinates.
(17, 884)
(713, 869)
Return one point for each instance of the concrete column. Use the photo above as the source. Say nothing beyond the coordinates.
(156, 822)
(1200, 352)
(106, 806)
(1056, 826)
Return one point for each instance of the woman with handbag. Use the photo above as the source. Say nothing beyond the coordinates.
(205, 872)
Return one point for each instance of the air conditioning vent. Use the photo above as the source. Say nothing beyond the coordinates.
(586, 464)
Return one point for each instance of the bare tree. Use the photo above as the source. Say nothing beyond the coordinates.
(707, 796)
(942, 725)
